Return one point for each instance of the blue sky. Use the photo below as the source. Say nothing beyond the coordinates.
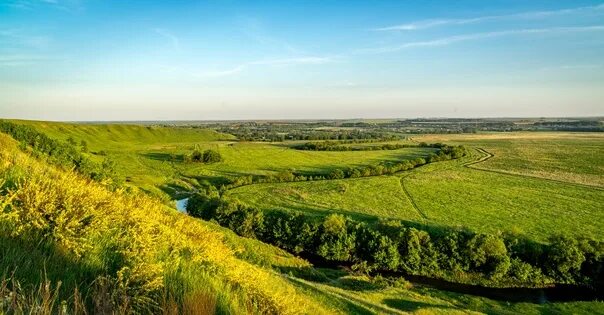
(148, 60)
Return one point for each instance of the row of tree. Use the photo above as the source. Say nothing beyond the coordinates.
(456, 255)
(279, 133)
(444, 153)
(64, 154)
(339, 146)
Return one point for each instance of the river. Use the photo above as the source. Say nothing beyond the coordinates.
(181, 205)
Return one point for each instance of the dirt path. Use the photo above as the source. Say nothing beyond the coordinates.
(485, 156)
(402, 183)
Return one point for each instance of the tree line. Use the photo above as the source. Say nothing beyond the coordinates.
(65, 154)
(340, 146)
(278, 133)
(445, 152)
(343, 146)
(390, 247)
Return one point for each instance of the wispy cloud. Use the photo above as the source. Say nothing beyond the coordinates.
(269, 62)
(21, 38)
(16, 60)
(477, 36)
(424, 24)
(174, 40)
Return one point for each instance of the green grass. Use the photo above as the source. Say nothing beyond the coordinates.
(117, 137)
(568, 157)
(260, 158)
(454, 195)
(448, 194)
(362, 198)
(363, 295)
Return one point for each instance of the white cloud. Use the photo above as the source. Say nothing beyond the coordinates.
(419, 25)
(477, 36)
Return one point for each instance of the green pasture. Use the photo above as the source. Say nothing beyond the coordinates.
(563, 156)
(367, 198)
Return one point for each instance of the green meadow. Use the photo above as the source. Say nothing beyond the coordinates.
(369, 198)
(562, 156)
(447, 194)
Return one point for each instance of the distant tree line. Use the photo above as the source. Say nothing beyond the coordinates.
(276, 133)
(65, 154)
(452, 254)
(445, 152)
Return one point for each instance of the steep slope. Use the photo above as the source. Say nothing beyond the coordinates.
(118, 251)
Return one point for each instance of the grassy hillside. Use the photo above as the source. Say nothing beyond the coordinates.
(123, 136)
(121, 251)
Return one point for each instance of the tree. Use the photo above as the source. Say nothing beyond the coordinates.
(202, 205)
(196, 156)
(564, 259)
(378, 250)
(211, 156)
(335, 243)
(488, 253)
(410, 250)
(247, 221)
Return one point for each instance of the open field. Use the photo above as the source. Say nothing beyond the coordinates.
(261, 158)
(562, 156)
(487, 196)
(362, 198)
(448, 194)
(491, 202)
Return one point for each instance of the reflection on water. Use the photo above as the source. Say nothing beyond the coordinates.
(181, 205)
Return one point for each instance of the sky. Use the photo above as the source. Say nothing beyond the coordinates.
(206, 60)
